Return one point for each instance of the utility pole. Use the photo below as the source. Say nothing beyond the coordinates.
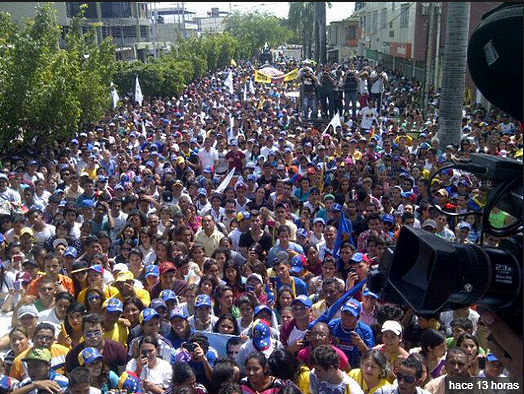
(137, 15)
(429, 56)
(99, 35)
(184, 19)
(322, 32)
(316, 33)
(155, 21)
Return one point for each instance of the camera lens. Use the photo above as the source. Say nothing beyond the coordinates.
(432, 274)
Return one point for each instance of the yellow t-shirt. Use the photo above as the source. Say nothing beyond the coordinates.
(303, 380)
(142, 294)
(357, 375)
(58, 356)
(119, 334)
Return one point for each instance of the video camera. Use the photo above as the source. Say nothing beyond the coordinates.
(430, 274)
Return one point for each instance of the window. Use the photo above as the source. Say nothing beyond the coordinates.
(368, 23)
(383, 18)
(392, 33)
(404, 15)
(392, 6)
(375, 21)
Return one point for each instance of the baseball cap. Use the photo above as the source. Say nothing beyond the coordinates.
(429, 223)
(357, 257)
(120, 267)
(34, 263)
(130, 382)
(443, 192)
(352, 306)
(113, 305)
(29, 309)
(388, 218)
(261, 335)
(166, 266)
(151, 270)
(203, 300)
(302, 232)
(297, 264)
(89, 355)
(147, 314)
(27, 230)
(168, 295)
(242, 216)
(392, 325)
(38, 355)
(60, 241)
(158, 303)
(464, 225)
(304, 300)
(71, 251)
(260, 308)
(97, 268)
(178, 312)
(491, 358)
(24, 276)
(367, 293)
(319, 220)
(124, 276)
(329, 196)
(88, 203)
(256, 276)
(336, 208)
(202, 191)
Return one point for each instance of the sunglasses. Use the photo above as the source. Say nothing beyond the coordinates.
(94, 298)
(405, 378)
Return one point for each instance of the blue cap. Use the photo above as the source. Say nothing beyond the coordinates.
(88, 204)
(178, 312)
(297, 264)
(302, 232)
(233, 143)
(119, 187)
(113, 305)
(352, 306)
(71, 251)
(261, 334)
(202, 191)
(89, 355)
(203, 300)
(304, 300)
(101, 178)
(74, 141)
(319, 220)
(208, 170)
(252, 177)
(336, 208)
(464, 225)
(158, 303)
(97, 268)
(357, 257)
(152, 270)
(491, 358)
(366, 293)
(260, 308)
(168, 295)
(388, 218)
(147, 314)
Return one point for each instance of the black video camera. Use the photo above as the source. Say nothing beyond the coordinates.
(430, 274)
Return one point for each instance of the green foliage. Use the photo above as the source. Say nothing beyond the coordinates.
(254, 29)
(49, 92)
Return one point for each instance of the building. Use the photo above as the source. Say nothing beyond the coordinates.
(342, 39)
(397, 35)
(213, 23)
(20, 11)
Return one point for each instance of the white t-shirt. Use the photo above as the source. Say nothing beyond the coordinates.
(368, 116)
(49, 316)
(208, 158)
(159, 375)
(208, 328)
(378, 85)
(295, 335)
(318, 387)
(41, 236)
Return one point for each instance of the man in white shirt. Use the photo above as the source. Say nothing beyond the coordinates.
(369, 116)
(208, 156)
(8, 194)
(378, 80)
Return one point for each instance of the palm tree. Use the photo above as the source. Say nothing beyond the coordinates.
(453, 73)
(301, 20)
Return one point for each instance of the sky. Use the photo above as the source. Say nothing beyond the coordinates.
(338, 11)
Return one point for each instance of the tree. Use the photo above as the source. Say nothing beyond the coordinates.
(453, 73)
(300, 19)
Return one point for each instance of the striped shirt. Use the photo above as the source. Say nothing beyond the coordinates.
(58, 356)
(55, 377)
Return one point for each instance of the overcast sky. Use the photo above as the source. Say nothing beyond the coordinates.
(338, 11)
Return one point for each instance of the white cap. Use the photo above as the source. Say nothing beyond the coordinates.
(29, 309)
(120, 267)
(392, 325)
(257, 276)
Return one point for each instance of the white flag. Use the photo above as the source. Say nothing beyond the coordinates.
(335, 122)
(139, 98)
(229, 82)
(245, 91)
(251, 87)
(114, 95)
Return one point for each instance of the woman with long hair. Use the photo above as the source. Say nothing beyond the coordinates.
(233, 277)
(71, 333)
(79, 276)
(470, 344)
(192, 219)
(284, 299)
(95, 297)
(259, 380)
(227, 324)
(132, 308)
(372, 373)
(224, 302)
(433, 348)
(19, 341)
(102, 377)
(283, 365)
(207, 285)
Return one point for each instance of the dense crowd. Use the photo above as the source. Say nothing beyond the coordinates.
(123, 247)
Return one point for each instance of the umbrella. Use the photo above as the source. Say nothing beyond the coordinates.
(271, 72)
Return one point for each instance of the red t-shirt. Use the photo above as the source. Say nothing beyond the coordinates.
(304, 354)
(237, 162)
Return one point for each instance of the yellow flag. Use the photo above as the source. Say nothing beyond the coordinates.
(290, 76)
(261, 102)
(233, 63)
(262, 78)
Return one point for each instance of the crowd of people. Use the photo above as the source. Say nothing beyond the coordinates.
(124, 246)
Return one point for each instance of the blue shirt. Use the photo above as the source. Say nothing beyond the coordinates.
(300, 286)
(62, 381)
(346, 343)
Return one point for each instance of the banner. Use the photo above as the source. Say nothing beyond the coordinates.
(229, 82)
(262, 78)
(233, 63)
(114, 95)
(335, 122)
(225, 183)
(217, 341)
(343, 234)
(292, 75)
